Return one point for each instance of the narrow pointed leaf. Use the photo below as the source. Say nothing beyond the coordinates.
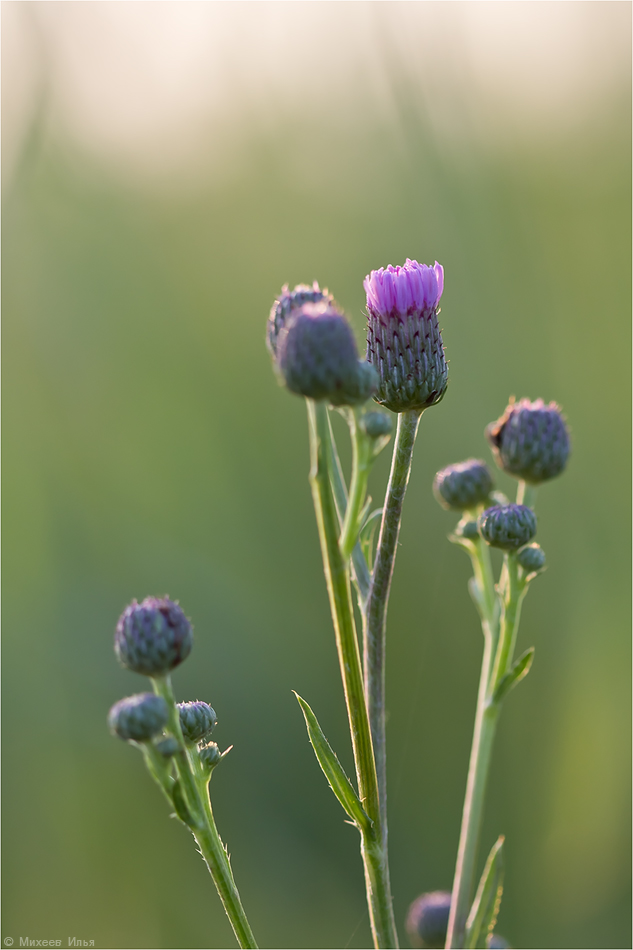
(332, 769)
(518, 672)
(181, 805)
(485, 909)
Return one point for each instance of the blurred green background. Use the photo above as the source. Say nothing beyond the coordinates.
(149, 449)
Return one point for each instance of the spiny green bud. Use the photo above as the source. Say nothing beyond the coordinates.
(530, 440)
(427, 920)
(197, 720)
(317, 357)
(532, 558)
(377, 424)
(167, 746)
(508, 527)
(467, 529)
(284, 306)
(138, 718)
(210, 755)
(464, 485)
(153, 637)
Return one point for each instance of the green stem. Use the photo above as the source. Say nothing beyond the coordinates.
(526, 494)
(203, 825)
(497, 659)
(339, 490)
(361, 464)
(375, 615)
(338, 585)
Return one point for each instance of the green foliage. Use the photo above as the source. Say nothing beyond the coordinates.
(332, 769)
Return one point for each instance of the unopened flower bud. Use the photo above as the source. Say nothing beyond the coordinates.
(508, 527)
(138, 717)
(427, 920)
(153, 637)
(530, 440)
(210, 755)
(404, 342)
(317, 357)
(197, 720)
(377, 424)
(463, 486)
(532, 558)
(167, 746)
(497, 942)
(467, 529)
(287, 302)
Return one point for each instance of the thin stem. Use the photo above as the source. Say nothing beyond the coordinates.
(526, 494)
(338, 584)
(203, 825)
(496, 662)
(339, 490)
(361, 464)
(375, 615)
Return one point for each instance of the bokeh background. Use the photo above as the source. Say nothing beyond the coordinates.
(167, 167)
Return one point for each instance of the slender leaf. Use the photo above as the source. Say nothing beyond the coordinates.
(180, 804)
(518, 672)
(332, 769)
(483, 914)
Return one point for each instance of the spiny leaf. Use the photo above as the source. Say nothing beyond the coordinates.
(518, 672)
(483, 914)
(332, 769)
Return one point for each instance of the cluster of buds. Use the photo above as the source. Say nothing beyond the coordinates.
(152, 638)
(530, 442)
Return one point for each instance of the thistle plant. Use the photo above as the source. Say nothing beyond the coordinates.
(404, 373)
(153, 638)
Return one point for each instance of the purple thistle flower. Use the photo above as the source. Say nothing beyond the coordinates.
(404, 342)
(530, 440)
(153, 637)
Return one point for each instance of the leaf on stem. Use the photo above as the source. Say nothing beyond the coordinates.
(180, 804)
(367, 532)
(332, 769)
(518, 672)
(483, 914)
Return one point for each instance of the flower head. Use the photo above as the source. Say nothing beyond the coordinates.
(404, 342)
(464, 485)
(507, 526)
(317, 357)
(197, 720)
(283, 307)
(532, 557)
(210, 755)
(530, 440)
(153, 637)
(139, 717)
(427, 920)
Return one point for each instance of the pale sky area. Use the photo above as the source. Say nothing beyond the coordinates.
(166, 86)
